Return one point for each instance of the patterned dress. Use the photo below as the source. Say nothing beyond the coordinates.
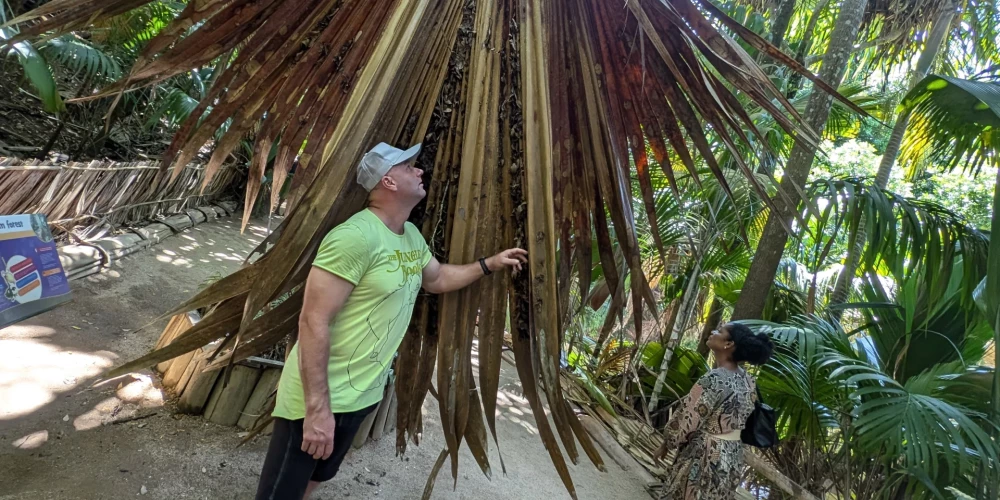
(709, 467)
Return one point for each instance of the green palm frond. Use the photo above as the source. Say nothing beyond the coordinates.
(131, 31)
(822, 378)
(843, 121)
(904, 234)
(809, 402)
(37, 71)
(80, 57)
(686, 367)
(954, 123)
(924, 328)
(915, 421)
(174, 108)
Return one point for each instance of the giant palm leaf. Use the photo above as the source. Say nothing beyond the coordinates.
(905, 235)
(924, 329)
(955, 122)
(530, 112)
(931, 424)
(80, 57)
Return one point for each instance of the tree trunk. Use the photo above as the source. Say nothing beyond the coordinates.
(772, 241)
(782, 18)
(993, 274)
(714, 317)
(688, 299)
(670, 313)
(800, 55)
(941, 27)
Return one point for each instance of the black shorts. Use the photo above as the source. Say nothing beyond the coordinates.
(288, 470)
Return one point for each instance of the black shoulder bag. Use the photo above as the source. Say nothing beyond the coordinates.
(760, 429)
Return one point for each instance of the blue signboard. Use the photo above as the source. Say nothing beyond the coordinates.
(32, 280)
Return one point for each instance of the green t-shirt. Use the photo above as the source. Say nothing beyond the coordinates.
(386, 269)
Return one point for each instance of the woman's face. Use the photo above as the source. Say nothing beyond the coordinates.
(719, 340)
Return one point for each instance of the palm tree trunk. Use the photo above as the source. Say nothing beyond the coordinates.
(714, 317)
(772, 243)
(992, 276)
(782, 18)
(800, 54)
(941, 27)
(688, 299)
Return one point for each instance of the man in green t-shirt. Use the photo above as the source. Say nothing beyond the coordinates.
(358, 300)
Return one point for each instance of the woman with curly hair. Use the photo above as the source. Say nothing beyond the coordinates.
(705, 428)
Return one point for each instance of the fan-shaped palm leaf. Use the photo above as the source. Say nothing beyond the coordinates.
(932, 422)
(955, 123)
(915, 421)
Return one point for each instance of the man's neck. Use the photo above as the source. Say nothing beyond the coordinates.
(394, 217)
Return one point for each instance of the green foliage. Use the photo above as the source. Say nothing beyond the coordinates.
(686, 367)
(944, 324)
(962, 194)
(835, 393)
(953, 124)
(37, 71)
(83, 59)
(128, 33)
(174, 107)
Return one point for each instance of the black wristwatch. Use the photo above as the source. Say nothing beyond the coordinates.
(486, 270)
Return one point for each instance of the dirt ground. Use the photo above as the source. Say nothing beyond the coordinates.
(62, 439)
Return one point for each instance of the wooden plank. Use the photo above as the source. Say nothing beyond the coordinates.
(263, 362)
(188, 372)
(196, 394)
(227, 403)
(383, 411)
(366, 426)
(390, 421)
(177, 325)
(257, 404)
(178, 366)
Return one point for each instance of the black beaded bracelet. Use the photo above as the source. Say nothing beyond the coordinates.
(482, 263)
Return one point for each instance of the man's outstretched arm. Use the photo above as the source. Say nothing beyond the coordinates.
(443, 278)
(325, 295)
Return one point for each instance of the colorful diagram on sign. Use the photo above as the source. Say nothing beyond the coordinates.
(22, 280)
(32, 279)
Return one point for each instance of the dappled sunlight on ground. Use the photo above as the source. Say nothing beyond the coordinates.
(48, 363)
(180, 256)
(32, 441)
(511, 403)
(129, 400)
(34, 372)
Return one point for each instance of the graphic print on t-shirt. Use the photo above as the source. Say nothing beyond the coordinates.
(398, 305)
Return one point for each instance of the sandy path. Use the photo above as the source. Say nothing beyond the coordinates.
(57, 439)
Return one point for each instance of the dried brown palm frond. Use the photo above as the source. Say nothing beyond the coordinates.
(78, 195)
(532, 113)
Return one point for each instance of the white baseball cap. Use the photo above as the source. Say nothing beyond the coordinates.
(376, 162)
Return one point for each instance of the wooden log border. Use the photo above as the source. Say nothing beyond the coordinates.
(91, 257)
(249, 397)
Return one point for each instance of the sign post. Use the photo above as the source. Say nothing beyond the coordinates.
(32, 279)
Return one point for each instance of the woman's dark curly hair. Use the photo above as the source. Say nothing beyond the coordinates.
(753, 348)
